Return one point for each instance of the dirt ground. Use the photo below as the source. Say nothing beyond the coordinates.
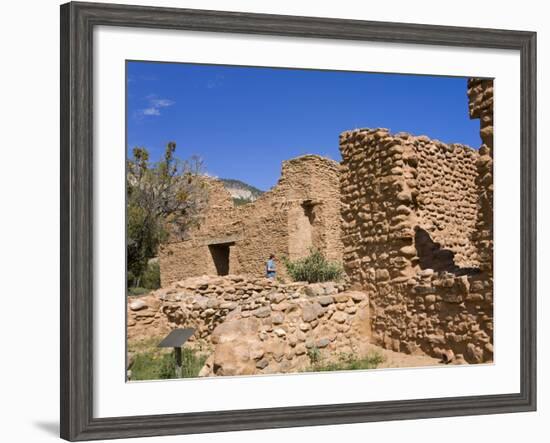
(400, 360)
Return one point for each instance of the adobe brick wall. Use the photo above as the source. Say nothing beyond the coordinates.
(301, 211)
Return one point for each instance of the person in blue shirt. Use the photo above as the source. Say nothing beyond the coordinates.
(270, 267)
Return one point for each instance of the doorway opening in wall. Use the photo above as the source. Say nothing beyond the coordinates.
(220, 257)
(308, 211)
(301, 219)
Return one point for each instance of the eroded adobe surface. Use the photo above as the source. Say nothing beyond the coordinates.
(302, 211)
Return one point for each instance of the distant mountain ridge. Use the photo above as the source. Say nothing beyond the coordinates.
(240, 191)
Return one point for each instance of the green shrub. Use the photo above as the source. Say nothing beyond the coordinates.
(151, 276)
(130, 279)
(154, 365)
(313, 268)
(314, 355)
(149, 280)
(240, 201)
(136, 292)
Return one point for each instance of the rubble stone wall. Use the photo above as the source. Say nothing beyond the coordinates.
(440, 314)
(302, 211)
(481, 103)
(446, 205)
(410, 209)
(255, 326)
(375, 209)
(398, 190)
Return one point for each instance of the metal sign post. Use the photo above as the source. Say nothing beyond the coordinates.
(176, 339)
(179, 363)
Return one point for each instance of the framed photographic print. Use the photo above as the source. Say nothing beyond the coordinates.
(273, 221)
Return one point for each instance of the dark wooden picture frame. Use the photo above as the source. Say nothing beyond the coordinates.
(77, 24)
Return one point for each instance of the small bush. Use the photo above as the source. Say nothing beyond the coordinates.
(151, 276)
(130, 279)
(154, 365)
(240, 201)
(149, 280)
(346, 362)
(314, 268)
(314, 355)
(136, 292)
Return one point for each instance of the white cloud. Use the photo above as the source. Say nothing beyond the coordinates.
(150, 111)
(155, 105)
(161, 102)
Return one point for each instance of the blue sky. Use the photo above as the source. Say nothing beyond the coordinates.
(243, 122)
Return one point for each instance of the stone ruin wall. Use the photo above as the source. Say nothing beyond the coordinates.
(301, 211)
(255, 325)
(392, 184)
(410, 205)
(446, 204)
(481, 104)
(193, 247)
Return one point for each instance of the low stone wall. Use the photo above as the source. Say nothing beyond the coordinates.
(145, 319)
(257, 325)
(277, 337)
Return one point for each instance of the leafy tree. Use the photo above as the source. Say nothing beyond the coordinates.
(163, 198)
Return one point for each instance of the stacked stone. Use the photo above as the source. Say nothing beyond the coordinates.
(233, 315)
(198, 302)
(480, 95)
(378, 190)
(480, 105)
(440, 314)
(204, 302)
(447, 204)
(280, 337)
(144, 318)
(391, 186)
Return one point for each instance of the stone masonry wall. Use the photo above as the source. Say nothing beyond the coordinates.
(394, 186)
(446, 205)
(255, 325)
(480, 95)
(375, 212)
(300, 212)
(410, 211)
